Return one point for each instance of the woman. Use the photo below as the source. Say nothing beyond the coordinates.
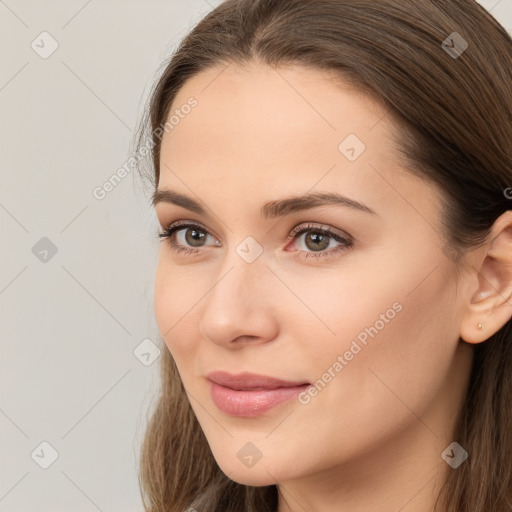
(332, 179)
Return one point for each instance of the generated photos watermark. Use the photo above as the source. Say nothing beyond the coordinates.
(355, 348)
(100, 192)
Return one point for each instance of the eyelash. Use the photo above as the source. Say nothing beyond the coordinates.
(347, 243)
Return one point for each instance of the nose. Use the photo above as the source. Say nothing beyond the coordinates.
(240, 308)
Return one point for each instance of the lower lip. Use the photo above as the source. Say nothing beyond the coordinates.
(251, 403)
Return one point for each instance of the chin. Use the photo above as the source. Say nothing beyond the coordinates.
(260, 473)
(251, 477)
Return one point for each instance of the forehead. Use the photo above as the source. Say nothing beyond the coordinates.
(262, 133)
(256, 103)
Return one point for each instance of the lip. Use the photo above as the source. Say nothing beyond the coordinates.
(249, 394)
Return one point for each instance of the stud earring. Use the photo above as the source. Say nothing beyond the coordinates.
(480, 326)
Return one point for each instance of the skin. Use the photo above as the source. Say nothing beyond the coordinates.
(372, 438)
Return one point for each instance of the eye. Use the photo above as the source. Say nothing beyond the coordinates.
(320, 241)
(186, 233)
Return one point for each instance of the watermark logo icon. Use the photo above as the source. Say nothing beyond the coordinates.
(249, 249)
(44, 250)
(454, 455)
(249, 454)
(352, 147)
(146, 352)
(455, 45)
(44, 45)
(44, 455)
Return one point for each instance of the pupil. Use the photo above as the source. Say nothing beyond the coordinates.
(193, 236)
(317, 238)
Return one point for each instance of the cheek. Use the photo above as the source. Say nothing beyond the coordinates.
(174, 300)
(391, 347)
(163, 300)
(401, 368)
(346, 312)
(390, 313)
(390, 308)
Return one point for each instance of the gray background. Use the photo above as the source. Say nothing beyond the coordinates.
(71, 320)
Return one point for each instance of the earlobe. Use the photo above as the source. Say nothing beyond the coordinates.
(489, 306)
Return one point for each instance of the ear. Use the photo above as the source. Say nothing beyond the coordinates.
(490, 304)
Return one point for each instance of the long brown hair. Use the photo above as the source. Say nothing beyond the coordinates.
(454, 108)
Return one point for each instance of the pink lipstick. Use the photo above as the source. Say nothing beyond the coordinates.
(248, 394)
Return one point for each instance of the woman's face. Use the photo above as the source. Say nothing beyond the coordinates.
(368, 316)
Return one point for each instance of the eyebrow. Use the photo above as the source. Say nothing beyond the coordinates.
(272, 209)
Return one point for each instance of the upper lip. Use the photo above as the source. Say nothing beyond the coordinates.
(249, 381)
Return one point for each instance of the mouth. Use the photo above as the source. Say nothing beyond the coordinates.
(248, 394)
